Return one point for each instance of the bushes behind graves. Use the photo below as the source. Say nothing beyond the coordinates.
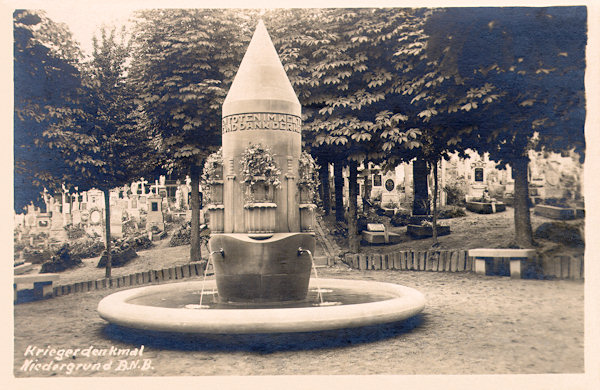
(390, 205)
(36, 256)
(75, 232)
(569, 234)
(340, 230)
(401, 218)
(121, 254)
(447, 212)
(157, 233)
(60, 261)
(182, 235)
(130, 227)
(86, 247)
(139, 242)
(455, 195)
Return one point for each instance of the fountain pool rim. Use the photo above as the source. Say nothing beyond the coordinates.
(405, 303)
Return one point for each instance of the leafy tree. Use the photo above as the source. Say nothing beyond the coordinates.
(72, 124)
(47, 113)
(535, 57)
(339, 62)
(441, 116)
(123, 151)
(183, 64)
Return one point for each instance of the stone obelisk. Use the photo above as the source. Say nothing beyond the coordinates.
(273, 264)
(261, 108)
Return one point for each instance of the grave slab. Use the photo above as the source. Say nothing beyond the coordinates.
(485, 207)
(379, 237)
(422, 231)
(555, 212)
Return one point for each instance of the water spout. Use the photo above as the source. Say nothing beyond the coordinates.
(300, 252)
(200, 306)
(220, 251)
(204, 279)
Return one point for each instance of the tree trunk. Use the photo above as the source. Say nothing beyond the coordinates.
(435, 196)
(352, 206)
(420, 187)
(195, 249)
(338, 179)
(325, 190)
(523, 231)
(107, 233)
(367, 189)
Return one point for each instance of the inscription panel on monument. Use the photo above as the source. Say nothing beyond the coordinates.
(261, 121)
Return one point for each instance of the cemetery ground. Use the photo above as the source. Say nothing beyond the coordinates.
(471, 324)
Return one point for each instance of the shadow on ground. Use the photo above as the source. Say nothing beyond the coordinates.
(263, 343)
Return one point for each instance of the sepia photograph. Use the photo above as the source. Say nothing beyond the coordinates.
(303, 195)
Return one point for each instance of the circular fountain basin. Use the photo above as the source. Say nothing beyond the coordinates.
(175, 308)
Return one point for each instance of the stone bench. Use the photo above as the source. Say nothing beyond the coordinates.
(23, 268)
(42, 284)
(377, 233)
(518, 258)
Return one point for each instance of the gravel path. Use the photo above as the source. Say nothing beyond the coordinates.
(471, 325)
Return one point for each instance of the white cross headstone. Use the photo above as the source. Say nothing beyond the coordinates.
(143, 182)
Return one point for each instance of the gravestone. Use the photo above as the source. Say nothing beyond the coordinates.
(30, 217)
(155, 215)
(95, 199)
(75, 209)
(420, 188)
(76, 217)
(134, 188)
(57, 223)
(95, 222)
(143, 183)
(116, 222)
(389, 195)
(132, 207)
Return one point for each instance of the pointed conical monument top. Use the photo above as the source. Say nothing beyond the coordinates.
(261, 84)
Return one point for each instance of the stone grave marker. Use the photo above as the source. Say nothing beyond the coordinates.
(155, 215)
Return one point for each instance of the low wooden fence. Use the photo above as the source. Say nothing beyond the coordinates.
(136, 279)
(449, 261)
(561, 267)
